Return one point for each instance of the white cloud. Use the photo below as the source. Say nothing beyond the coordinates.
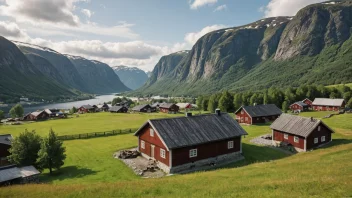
(87, 12)
(12, 31)
(219, 8)
(286, 7)
(199, 3)
(192, 37)
(53, 11)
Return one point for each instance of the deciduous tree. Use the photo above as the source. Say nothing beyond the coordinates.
(17, 111)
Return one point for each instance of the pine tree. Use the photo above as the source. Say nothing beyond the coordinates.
(52, 153)
(285, 106)
(349, 103)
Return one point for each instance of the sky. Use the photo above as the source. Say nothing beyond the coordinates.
(130, 32)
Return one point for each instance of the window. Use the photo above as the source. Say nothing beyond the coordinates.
(316, 140)
(258, 119)
(242, 112)
(142, 144)
(193, 153)
(296, 139)
(285, 136)
(323, 138)
(152, 132)
(229, 144)
(162, 153)
(246, 119)
(318, 128)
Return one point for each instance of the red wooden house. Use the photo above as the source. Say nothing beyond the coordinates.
(257, 114)
(37, 115)
(299, 106)
(5, 145)
(308, 102)
(168, 108)
(328, 104)
(301, 132)
(86, 109)
(188, 143)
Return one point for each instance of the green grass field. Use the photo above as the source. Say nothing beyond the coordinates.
(90, 170)
(336, 86)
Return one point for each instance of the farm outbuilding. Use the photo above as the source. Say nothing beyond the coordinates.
(186, 143)
(5, 145)
(184, 106)
(118, 109)
(87, 109)
(168, 108)
(37, 115)
(19, 175)
(144, 108)
(308, 102)
(257, 114)
(299, 106)
(328, 104)
(301, 132)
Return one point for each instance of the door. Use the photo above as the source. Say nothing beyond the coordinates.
(152, 151)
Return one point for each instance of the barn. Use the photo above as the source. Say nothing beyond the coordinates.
(301, 132)
(86, 109)
(328, 104)
(18, 175)
(144, 108)
(103, 107)
(257, 114)
(189, 143)
(168, 108)
(184, 105)
(118, 109)
(299, 106)
(37, 115)
(308, 102)
(5, 145)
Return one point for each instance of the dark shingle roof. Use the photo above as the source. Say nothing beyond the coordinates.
(6, 139)
(87, 106)
(115, 108)
(261, 110)
(302, 104)
(195, 130)
(139, 107)
(296, 125)
(166, 105)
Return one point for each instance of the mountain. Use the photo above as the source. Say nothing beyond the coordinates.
(132, 77)
(149, 73)
(19, 77)
(311, 47)
(99, 77)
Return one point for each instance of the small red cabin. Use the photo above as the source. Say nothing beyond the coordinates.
(207, 140)
(301, 132)
(299, 106)
(168, 108)
(308, 102)
(257, 114)
(328, 104)
(87, 109)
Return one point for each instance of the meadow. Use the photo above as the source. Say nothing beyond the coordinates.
(90, 169)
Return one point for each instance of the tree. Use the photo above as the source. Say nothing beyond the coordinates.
(24, 149)
(285, 106)
(266, 98)
(225, 101)
(2, 116)
(73, 110)
(115, 101)
(254, 99)
(205, 104)
(17, 111)
(237, 100)
(212, 104)
(349, 103)
(52, 153)
(347, 95)
(200, 102)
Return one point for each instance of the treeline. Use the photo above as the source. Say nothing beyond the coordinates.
(230, 102)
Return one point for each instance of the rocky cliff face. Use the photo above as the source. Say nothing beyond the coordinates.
(19, 77)
(98, 77)
(132, 77)
(280, 50)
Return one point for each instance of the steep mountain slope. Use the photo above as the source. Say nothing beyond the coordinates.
(62, 64)
(18, 77)
(311, 47)
(98, 76)
(132, 77)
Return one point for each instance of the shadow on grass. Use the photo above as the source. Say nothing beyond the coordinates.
(65, 173)
(336, 142)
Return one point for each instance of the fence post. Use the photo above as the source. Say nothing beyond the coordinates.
(104, 133)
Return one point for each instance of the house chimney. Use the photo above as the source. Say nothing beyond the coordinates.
(188, 114)
(218, 112)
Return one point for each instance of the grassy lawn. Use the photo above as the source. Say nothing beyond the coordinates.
(85, 123)
(338, 85)
(90, 170)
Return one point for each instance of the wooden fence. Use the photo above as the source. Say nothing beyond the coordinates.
(96, 134)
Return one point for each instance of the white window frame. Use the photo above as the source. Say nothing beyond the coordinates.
(246, 119)
(322, 138)
(151, 132)
(319, 128)
(316, 140)
(142, 144)
(162, 153)
(193, 153)
(242, 112)
(230, 145)
(285, 136)
(296, 139)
